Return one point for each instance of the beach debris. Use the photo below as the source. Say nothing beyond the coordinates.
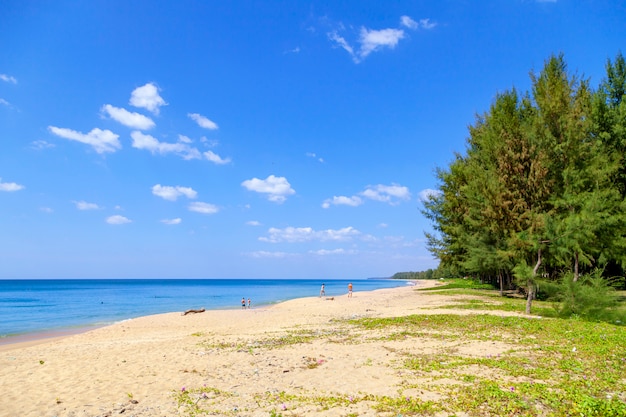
(312, 363)
(200, 310)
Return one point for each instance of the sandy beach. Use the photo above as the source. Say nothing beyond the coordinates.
(233, 362)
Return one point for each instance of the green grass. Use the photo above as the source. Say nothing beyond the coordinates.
(468, 287)
(556, 366)
(493, 301)
(460, 283)
(289, 338)
(545, 366)
(195, 402)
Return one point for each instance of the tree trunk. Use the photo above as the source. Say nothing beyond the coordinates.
(576, 267)
(531, 283)
(531, 294)
(501, 279)
(538, 264)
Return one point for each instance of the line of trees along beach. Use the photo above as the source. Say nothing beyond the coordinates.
(538, 199)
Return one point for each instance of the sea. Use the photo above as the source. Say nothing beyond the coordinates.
(46, 306)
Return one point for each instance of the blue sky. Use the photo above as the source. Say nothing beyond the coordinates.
(244, 139)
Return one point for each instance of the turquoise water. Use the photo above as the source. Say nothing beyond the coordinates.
(31, 306)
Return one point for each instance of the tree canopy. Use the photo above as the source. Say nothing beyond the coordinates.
(540, 190)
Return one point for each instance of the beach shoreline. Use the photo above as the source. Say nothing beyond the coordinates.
(34, 338)
(140, 364)
(30, 307)
(15, 341)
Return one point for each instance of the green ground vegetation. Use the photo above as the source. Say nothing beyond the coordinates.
(545, 366)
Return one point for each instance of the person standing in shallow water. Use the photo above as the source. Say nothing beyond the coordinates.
(243, 302)
(350, 290)
(249, 303)
(323, 290)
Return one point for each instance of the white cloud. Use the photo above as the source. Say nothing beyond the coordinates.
(387, 193)
(215, 158)
(368, 238)
(83, 205)
(150, 143)
(325, 252)
(8, 79)
(342, 201)
(341, 41)
(307, 234)
(175, 221)
(408, 22)
(46, 209)
(210, 143)
(117, 219)
(427, 24)
(184, 139)
(101, 140)
(372, 40)
(277, 188)
(203, 121)
(253, 223)
(5, 103)
(10, 186)
(369, 41)
(427, 194)
(313, 155)
(147, 97)
(130, 119)
(203, 208)
(172, 193)
(41, 145)
(267, 254)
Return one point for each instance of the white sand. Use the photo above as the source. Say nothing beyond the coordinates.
(137, 367)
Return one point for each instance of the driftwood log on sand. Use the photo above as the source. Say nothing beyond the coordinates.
(202, 310)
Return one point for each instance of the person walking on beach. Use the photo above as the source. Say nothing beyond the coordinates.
(350, 290)
(243, 302)
(322, 291)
